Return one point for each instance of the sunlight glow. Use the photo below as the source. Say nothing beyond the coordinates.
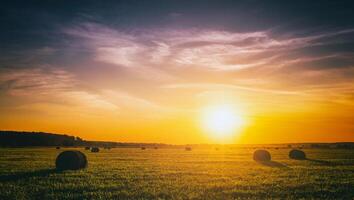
(221, 122)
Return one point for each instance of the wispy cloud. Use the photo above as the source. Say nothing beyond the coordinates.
(20, 82)
(168, 55)
(207, 49)
(209, 86)
(52, 85)
(48, 85)
(259, 62)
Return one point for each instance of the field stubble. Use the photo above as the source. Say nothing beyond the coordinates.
(128, 173)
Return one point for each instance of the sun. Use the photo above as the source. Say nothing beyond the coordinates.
(221, 122)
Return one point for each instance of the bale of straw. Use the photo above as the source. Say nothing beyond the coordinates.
(95, 149)
(71, 160)
(297, 154)
(188, 148)
(261, 156)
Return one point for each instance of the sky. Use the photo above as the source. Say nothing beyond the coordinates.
(144, 71)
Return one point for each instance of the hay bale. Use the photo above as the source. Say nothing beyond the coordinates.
(261, 155)
(57, 147)
(156, 148)
(87, 148)
(188, 148)
(143, 148)
(71, 160)
(297, 154)
(95, 149)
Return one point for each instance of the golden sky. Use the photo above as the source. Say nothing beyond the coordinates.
(98, 79)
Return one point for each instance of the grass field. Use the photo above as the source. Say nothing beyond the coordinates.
(127, 173)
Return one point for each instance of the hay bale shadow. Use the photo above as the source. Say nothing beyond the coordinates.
(26, 175)
(273, 164)
(329, 163)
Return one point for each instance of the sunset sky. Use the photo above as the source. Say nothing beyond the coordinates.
(146, 71)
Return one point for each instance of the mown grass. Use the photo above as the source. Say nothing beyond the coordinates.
(122, 173)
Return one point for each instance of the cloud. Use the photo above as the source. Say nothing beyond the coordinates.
(174, 56)
(208, 86)
(90, 101)
(23, 82)
(52, 87)
(171, 48)
(128, 101)
(198, 48)
(49, 85)
(168, 59)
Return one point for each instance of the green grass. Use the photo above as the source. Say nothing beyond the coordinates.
(177, 174)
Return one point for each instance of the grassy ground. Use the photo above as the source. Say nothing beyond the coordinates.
(177, 174)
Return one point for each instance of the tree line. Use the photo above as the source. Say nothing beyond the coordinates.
(23, 139)
(28, 139)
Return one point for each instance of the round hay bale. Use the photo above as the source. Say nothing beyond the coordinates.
(297, 154)
(57, 147)
(95, 149)
(261, 155)
(156, 148)
(143, 148)
(87, 148)
(188, 148)
(71, 160)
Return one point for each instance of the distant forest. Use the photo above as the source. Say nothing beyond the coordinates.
(19, 139)
(28, 139)
(32, 139)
